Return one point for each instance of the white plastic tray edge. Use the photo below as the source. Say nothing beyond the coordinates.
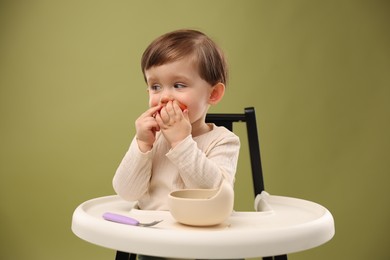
(216, 244)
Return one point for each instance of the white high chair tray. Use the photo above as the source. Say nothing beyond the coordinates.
(293, 225)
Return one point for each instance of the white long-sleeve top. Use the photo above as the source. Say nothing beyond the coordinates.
(197, 162)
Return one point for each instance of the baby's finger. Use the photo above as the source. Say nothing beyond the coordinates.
(151, 112)
(169, 107)
(185, 114)
(159, 120)
(163, 113)
(179, 107)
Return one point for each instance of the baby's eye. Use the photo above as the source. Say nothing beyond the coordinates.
(179, 85)
(155, 88)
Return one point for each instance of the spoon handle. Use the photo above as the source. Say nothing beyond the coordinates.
(120, 219)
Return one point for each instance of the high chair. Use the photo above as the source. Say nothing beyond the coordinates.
(282, 225)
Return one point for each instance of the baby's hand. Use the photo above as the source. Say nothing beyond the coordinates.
(174, 123)
(146, 127)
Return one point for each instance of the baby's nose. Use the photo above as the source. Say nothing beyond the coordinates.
(166, 97)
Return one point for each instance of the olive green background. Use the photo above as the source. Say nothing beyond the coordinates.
(317, 73)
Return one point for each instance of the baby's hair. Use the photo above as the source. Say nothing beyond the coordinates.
(180, 44)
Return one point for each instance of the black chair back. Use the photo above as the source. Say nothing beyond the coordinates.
(249, 117)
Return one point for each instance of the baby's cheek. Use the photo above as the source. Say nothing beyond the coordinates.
(153, 102)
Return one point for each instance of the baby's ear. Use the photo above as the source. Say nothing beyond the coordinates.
(216, 94)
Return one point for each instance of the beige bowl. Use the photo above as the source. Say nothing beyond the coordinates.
(202, 207)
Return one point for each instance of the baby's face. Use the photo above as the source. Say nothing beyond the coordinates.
(180, 81)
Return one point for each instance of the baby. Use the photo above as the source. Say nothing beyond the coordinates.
(174, 148)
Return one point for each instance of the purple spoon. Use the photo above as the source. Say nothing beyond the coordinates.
(127, 220)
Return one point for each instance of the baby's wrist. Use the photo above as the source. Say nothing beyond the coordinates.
(176, 143)
(144, 146)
